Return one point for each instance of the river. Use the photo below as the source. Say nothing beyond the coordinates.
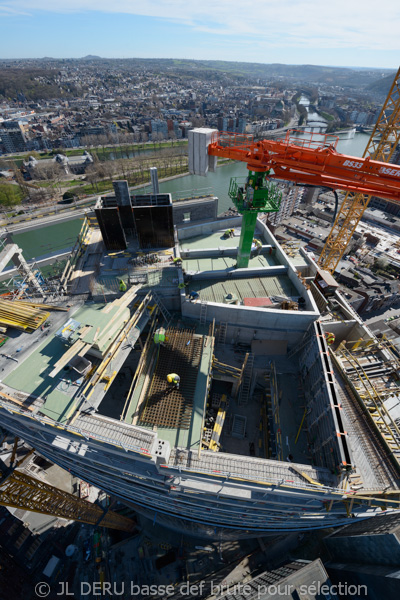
(57, 237)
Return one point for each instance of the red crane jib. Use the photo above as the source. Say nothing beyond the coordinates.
(310, 162)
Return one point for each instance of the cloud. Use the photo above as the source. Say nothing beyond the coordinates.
(360, 24)
(8, 11)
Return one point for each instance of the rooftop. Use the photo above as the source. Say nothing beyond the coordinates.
(213, 290)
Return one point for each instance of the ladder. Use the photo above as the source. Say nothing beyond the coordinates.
(247, 380)
(304, 341)
(203, 312)
(222, 333)
(164, 311)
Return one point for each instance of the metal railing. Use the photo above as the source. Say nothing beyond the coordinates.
(77, 430)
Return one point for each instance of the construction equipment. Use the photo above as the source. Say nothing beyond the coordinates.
(313, 161)
(381, 146)
(22, 491)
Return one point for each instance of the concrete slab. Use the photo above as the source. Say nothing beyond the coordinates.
(225, 262)
(256, 287)
(31, 377)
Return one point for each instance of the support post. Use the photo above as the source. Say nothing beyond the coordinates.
(249, 221)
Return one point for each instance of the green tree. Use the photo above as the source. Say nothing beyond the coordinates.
(9, 194)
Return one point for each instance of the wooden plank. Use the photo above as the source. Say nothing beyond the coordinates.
(74, 350)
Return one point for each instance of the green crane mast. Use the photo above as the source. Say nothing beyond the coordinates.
(253, 195)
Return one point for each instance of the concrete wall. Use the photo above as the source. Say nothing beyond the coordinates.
(291, 272)
(266, 235)
(246, 323)
(199, 210)
(188, 231)
(323, 419)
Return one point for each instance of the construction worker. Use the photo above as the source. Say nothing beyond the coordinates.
(122, 286)
(256, 247)
(227, 234)
(173, 379)
(160, 337)
(250, 193)
(177, 260)
(330, 338)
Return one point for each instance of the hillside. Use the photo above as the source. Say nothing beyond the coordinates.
(35, 84)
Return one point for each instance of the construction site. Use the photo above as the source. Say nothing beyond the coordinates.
(266, 406)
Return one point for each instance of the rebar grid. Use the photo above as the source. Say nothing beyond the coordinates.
(167, 406)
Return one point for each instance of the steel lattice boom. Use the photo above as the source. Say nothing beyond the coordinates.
(381, 146)
(22, 491)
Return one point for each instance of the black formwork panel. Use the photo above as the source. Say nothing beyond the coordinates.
(154, 226)
(127, 220)
(109, 221)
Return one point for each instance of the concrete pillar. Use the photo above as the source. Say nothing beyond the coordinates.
(154, 180)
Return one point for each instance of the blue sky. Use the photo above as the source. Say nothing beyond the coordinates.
(340, 32)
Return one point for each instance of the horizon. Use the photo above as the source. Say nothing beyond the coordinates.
(95, 56)
(293, 33)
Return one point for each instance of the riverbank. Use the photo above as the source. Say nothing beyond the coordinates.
(134, 147)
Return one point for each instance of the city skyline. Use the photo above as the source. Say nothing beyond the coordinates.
(263, 31)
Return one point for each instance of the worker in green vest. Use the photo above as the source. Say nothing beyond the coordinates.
(173, 380)
(122, 286)
(177, 260)
(160, 337)
(256, 247)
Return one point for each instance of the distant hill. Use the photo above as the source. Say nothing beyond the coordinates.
(310, 74)
(382, 85)
(35, 84)
(37, 80)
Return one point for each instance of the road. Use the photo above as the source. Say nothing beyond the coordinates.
(373, 317)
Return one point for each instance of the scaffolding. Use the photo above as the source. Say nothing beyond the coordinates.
(373, 373)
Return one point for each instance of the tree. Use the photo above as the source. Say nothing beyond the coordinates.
(69, 195)
(381, 263)
(108, 170)
(93, 176)
(9, 194)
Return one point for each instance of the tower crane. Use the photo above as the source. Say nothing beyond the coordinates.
(381, 146)
(313, 161)
(19, 490)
